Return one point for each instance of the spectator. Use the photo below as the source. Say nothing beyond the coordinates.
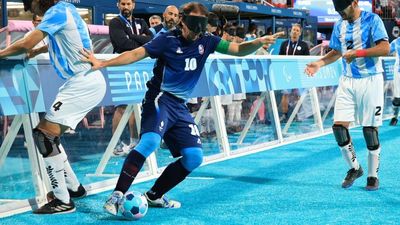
(127, 33)
(41, 47)
(234, 115)
(213, 23)
(251, 32)
(171, 19)
(154, 20)
(293, 46)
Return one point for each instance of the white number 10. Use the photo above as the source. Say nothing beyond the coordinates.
(194, 130)
(191, 64)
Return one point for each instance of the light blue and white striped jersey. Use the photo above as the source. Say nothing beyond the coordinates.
(395, 48)
(361, 34)
(68, 35)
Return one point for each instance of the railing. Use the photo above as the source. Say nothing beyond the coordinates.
(29, 88)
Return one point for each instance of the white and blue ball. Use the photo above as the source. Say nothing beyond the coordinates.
(134, 205)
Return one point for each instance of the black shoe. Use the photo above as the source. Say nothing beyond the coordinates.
(80, 193)
(56, 207)
(372, 184)
(351, 176)
(393, 121)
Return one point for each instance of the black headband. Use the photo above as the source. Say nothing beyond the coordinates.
(197, 24)
(341, 5)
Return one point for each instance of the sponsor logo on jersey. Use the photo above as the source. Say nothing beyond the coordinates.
(179, 51)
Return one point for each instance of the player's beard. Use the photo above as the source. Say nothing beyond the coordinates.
(41, 7)
(170, 23)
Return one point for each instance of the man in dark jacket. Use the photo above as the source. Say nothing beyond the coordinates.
(293, 46)
(127, 33)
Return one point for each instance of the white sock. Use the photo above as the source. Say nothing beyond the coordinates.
(55, 171)
(238, 112)
(373, 162)
(70, 178)
(349, 155)
(231, 114)
(133, 141)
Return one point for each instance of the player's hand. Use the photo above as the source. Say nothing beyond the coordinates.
(31, 54)
(350, 56)
(270, 39)
(89, 57)
(311, 69)
(279, 34)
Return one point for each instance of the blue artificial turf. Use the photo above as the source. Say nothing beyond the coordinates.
(293, 184)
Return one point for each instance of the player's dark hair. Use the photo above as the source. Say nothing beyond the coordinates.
(43, 5)
(194, 7)
(27, 4)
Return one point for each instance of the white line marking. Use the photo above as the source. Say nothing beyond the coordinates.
(201, 178)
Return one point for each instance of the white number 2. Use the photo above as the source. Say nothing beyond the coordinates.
(191, 64)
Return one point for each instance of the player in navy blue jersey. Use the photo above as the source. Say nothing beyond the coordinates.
(359, 38)
(181, 55)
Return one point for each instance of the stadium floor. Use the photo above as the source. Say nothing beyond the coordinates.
(292, 184)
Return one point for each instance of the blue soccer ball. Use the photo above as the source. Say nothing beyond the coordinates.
(134, 206)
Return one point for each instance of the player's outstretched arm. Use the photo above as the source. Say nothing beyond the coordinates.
(23, 45)
(329, 58)
(34, 52)
(127, 57)
(249, 47)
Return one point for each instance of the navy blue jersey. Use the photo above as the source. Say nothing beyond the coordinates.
(179, 62)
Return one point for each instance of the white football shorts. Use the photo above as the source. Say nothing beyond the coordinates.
(79, 95)
(360, 100)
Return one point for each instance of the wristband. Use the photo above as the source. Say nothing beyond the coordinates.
(361, 53)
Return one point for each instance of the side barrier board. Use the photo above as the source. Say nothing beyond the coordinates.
(30, 86)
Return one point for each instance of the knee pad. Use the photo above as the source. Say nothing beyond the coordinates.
(148, 143)
(191, 158)
(47, 144)
(396, 102)
(371, 137)
(342, 135)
